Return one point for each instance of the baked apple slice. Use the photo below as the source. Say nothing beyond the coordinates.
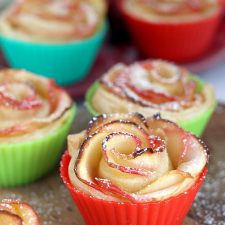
(104, 119)
(7, 218)
(17, 213)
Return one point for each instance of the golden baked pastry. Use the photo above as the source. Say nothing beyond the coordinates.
(126, 157)
(17, 213)
(175, 11)
(149, 87)
(30, 106)
(53, 20)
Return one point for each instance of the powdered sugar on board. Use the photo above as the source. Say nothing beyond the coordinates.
(209, 206)
(52, 202)
(55, 206)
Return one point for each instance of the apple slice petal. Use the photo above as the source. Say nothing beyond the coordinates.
(7, 218)
(106, 184)
(89, 157)
(132, 182)
(169, 179)
(186, 151)
(118, 159)
(125, 181)
(124, 151)
(26, 104)
(90, 151)
(168, 185)
(119, 156)
(74, 142)
(19, 212)
(99, 121)
(174, 137)
(84, 187)
(147, 82)
(20, 96)
(165, 73)
(195, 157)
(190, 90)
(169, 77)
(127, 127)
(14, 130)
(150, 95)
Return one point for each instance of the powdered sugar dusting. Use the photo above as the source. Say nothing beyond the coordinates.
(49, 198)
(53, 203)
(209, 206)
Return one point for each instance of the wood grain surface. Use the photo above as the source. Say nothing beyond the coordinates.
(54, 205)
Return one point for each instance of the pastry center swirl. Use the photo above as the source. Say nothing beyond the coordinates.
(40, 20)
(29, 103)
(18, 96)
(154, 84)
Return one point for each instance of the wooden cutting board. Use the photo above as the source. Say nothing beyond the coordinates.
(52, 202)
(55, 206)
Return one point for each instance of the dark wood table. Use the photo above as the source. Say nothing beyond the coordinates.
(54, 205)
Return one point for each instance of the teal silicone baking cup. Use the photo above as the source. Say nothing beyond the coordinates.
(195, 125)
(67, 63)
(25, 162)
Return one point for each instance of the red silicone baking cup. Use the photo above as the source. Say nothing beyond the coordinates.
(179, 42)
(100, 212)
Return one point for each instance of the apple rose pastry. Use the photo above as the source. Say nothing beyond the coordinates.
(30, 106)
(36, 116)
(17, 213)
(172, 29)
(127, 158)
(173, 11)
(59, 39)
(155, 86)
(125, 169)
(40, 20)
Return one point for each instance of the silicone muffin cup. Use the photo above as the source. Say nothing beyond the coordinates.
(195, 125)
(24, 162)
(180, 42)
(65, 62)
(100, 212)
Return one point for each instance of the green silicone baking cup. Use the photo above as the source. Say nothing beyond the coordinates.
(195, 125)
(66, 63)
(25, 162)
